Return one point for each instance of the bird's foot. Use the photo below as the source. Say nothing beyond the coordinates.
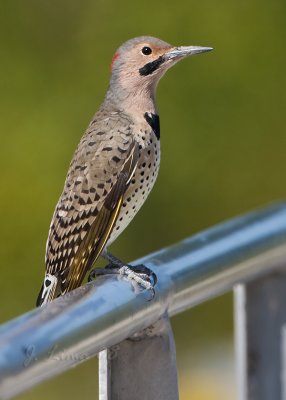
(141, 275)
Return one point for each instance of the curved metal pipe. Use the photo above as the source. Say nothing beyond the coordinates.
(71, 329)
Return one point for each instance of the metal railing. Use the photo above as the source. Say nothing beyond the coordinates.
(247, 253)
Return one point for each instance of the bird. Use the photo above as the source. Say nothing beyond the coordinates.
(113, 169)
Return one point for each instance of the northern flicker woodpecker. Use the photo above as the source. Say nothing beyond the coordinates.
(113, 169)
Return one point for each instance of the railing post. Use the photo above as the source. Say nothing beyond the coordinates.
(142, 367)
(260, 316)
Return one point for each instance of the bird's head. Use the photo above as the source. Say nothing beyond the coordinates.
(139, 63)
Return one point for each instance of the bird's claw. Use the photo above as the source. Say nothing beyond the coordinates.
(139, 274)
(141, 269)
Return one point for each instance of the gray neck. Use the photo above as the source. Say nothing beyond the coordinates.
(137, 101)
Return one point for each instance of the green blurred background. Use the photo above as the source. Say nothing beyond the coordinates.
(223, 145)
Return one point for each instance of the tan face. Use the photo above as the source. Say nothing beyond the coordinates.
(148, 58)
(143, 61)
(139, 63)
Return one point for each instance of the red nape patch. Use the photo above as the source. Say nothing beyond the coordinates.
(116, 55)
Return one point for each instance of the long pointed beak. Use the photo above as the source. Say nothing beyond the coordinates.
(185, 51)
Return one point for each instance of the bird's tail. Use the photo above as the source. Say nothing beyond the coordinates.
(49, 290)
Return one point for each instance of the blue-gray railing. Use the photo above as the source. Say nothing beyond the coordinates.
(247, 253)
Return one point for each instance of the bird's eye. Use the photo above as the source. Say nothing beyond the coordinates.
(146, 50)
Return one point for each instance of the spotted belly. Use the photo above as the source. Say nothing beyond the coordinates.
(141, 185)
